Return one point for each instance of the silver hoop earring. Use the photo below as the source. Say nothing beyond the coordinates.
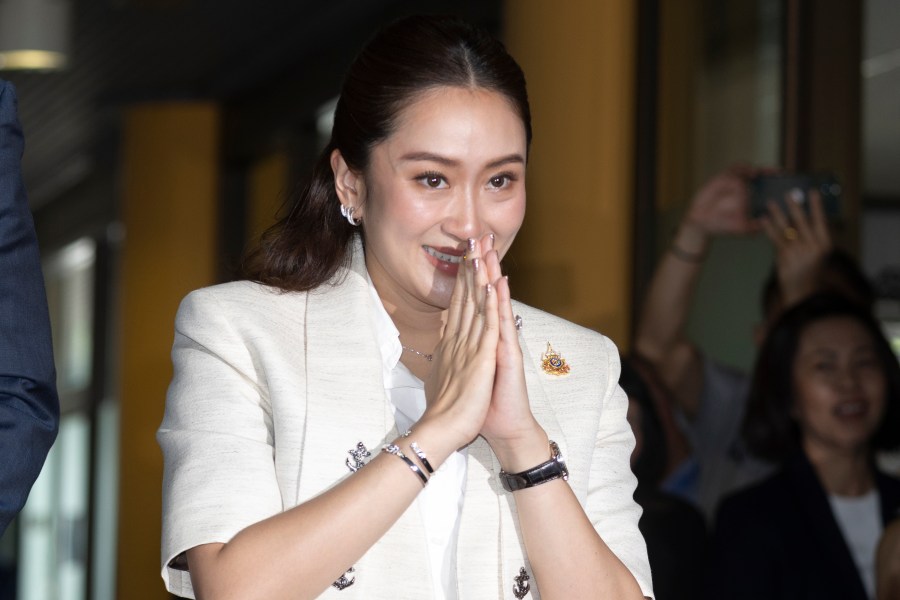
(347, 213)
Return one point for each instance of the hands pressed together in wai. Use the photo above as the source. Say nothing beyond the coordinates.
(477, 382)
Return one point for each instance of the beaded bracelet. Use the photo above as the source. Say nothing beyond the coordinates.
(395, 450)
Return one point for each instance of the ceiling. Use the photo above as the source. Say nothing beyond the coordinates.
(127, 51)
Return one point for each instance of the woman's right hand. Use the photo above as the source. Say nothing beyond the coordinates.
(721, 205)
(459, 387)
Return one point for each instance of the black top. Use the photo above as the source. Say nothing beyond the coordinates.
(780, 540)
(677, 544)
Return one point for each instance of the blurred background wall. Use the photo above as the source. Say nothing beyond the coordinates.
(166, 144)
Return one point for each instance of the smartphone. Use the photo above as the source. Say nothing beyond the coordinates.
(784, 187)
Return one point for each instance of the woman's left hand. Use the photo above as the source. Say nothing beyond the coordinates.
(510, 427)
(801, 243)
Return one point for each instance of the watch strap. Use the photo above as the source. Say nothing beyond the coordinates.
(555, 468)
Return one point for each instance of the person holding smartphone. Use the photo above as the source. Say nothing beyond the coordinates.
(710, 397)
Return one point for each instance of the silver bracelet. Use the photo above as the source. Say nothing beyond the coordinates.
(395, 450)
(418, 451)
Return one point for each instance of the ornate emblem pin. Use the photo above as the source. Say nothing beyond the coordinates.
(343, 582)
(357, 458)
(553, 363)
(521, 586)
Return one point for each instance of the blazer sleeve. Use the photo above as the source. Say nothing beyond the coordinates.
(610, 500)
(29, 406)
(216, 437)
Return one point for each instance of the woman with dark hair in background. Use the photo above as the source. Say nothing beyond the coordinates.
(825, 397)
(374, 315)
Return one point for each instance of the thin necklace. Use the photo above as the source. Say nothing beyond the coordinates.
(427, 357)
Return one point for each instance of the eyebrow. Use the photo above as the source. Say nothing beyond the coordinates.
(430, 157)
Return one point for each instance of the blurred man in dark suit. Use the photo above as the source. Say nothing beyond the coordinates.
(29, 406)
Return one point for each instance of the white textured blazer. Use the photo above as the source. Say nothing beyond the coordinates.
(272, 389)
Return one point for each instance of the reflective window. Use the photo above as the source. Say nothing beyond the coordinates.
(55, 528)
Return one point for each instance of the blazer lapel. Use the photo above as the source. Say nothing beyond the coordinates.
(345, 397)
(538, 394)
(489, 525)
(347, 405)
(540, 385)
(813, 507)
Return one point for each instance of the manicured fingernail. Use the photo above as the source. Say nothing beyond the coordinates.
(471, 245)
(488, 289)
(475, 264)
(491, 238)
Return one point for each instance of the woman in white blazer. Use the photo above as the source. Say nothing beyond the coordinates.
(369, 414)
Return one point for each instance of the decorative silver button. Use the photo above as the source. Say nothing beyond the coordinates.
(343, 582)
(521, 586)
(357, 458)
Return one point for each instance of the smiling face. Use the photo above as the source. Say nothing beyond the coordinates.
(839, 386)
(453, 169)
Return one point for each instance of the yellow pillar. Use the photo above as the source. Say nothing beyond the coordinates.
(681, 36)
(573, 256)
(266, 190)
(169, 197)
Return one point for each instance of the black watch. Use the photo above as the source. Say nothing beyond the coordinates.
(544, 472)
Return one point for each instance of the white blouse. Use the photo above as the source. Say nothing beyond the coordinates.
(859, 519)
(440, 502)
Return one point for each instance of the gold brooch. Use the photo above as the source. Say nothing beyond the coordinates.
(553, 363)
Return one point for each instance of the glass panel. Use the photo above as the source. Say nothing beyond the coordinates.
(106, 501)
(53, 525)
(880, 248)
(881, 89)
(53, 555)
(738, 107)
(720, 90)
(881, 144)
(69, 276)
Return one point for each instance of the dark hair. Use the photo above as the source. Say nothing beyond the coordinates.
(839, 273)
(768, 429)
(306, 246)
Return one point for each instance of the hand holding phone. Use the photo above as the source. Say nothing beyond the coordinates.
(798, 228)
(781, 188)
